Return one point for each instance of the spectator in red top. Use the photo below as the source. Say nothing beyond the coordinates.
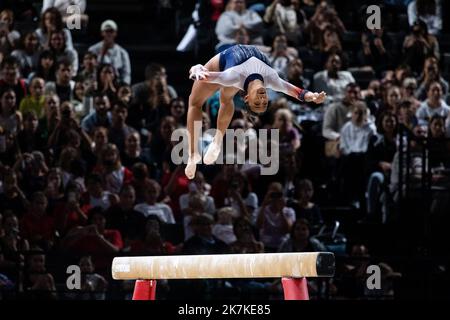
(140, 176)
(10, 77)
(95, 239)
(175, 184)
(124, 217)
(152, 243)
(36, 225)
(173, 180)
(113, 236)
(110, 166)
(69, 213)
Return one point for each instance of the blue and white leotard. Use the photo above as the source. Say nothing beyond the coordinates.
(241, 64)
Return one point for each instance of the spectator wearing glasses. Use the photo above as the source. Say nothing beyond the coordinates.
(408, 90)
(108, 51)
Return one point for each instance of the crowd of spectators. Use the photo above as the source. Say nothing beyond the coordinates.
(85, 151)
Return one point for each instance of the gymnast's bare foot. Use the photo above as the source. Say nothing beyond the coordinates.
(212, 153)
(191, 165)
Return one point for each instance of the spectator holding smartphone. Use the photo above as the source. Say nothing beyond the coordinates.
(418, 45)
(274, 218)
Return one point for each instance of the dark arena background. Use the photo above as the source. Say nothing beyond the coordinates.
(92, 91)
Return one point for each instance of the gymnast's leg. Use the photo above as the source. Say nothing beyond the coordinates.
(200, 92)
(224, 117)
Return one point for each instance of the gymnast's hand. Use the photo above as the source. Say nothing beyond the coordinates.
(198, 72)
(315, 97)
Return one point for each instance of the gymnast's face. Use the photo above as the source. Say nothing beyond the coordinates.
(257, 99)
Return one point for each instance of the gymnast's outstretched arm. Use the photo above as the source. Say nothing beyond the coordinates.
(276, 83)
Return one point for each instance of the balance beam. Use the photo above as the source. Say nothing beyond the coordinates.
(261, 265)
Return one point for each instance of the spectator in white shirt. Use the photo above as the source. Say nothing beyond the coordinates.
(430, 11)
(151, 206)
(332, 80)
(198, 186)
(356, 133)
(354, 142)
(223, 228)
(108, 51)
(434, 105)
(233, 19)
(284, 17)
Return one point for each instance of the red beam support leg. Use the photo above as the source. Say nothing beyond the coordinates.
(144, 290)
(295, 288)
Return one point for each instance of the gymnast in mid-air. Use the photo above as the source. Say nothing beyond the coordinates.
(240, 67)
